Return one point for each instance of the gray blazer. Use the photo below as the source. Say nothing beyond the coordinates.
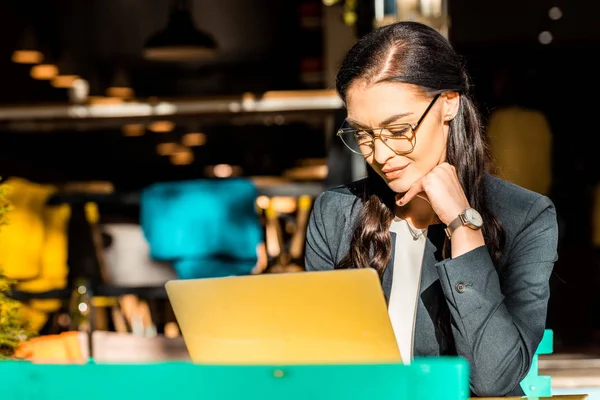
(492, 315)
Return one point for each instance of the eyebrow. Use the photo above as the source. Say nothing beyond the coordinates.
(383, 123)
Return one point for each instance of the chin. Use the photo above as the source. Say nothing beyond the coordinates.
(399, 185)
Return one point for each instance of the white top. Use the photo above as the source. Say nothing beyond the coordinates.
(402, 308)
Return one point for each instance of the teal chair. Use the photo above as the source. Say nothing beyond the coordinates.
(534, 385)
(206, 228)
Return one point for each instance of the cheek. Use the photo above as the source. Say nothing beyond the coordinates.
(431, 140)
(430, 148)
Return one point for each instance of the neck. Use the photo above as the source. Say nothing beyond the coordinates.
(418, 213)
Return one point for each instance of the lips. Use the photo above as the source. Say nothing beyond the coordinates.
(393, 172)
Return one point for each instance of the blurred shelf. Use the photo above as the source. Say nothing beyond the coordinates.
(293, 189)
(266, 186)
(287, 106)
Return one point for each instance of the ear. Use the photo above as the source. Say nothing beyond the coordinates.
(451, 101)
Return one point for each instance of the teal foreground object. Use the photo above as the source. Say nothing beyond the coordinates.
(425, 379)
(534, 385)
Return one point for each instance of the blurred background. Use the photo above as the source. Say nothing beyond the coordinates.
(130, 129)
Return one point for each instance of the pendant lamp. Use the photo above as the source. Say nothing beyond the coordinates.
(180, 41)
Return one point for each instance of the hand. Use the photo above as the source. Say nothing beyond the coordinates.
(442, 190)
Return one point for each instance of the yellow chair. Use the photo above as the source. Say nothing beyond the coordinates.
(33, 245)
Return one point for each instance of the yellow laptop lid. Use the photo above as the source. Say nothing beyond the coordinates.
(320, 317)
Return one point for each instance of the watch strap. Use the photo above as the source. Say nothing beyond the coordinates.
(456, 223)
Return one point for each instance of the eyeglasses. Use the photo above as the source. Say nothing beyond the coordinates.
(400, 138)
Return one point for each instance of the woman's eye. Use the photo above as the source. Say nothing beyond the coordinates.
(361, 137)
(399, 131)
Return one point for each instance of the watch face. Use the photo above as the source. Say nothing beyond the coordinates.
(473, 217)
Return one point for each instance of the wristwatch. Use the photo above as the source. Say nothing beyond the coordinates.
(470, 217)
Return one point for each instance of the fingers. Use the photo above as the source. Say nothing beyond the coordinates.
(415, 189)
(449, 170)
(442, 172)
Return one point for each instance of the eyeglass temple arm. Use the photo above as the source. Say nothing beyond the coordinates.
(426, 111)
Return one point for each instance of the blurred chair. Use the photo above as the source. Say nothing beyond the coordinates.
(286, 255)
(520, 142)
(206, 228)
(127, 258)
(33, 246)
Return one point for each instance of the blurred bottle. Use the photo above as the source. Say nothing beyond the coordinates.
(80, 306)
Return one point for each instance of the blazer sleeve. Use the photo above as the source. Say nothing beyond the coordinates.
(499, 320)
(318, 255)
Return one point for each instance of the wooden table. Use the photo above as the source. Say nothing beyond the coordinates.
(567, 397)
(575, 370)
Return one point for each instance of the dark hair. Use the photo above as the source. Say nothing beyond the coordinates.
(414, 53)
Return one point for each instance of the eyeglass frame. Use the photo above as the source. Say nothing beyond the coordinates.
(413, 129)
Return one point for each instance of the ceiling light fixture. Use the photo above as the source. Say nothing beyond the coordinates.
(182, 157)
(167, 148)
(193, 139)
(27, 57)
(180, 41)
(66, 71)
(27, 51)
(161, 126)
(120, 86)
(44, 71)
(133, 130)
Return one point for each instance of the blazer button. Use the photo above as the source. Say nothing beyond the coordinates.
(461, 287)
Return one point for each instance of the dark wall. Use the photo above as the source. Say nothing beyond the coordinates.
(560, 80)
(256, 40)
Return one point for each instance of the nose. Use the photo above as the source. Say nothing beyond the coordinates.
(381, 152)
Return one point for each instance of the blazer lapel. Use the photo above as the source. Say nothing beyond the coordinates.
(432, 307)
(430, 257)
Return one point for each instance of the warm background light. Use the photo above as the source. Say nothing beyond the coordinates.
(171, 330)
(545, 37)
(223, 170)
(312, 172)
(44, 71)
(193, 139)
(27, 57)
(166, 149)
(120, 85)
(102, 100)
(121, 92)
(262, 202)
(134, 129)
(161, 126)
(64, 81)
(182, 157)
(283, 204)
(555, 13)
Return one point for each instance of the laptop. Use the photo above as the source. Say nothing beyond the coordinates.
(323, 317)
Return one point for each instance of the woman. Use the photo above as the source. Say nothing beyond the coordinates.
(464, 257)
